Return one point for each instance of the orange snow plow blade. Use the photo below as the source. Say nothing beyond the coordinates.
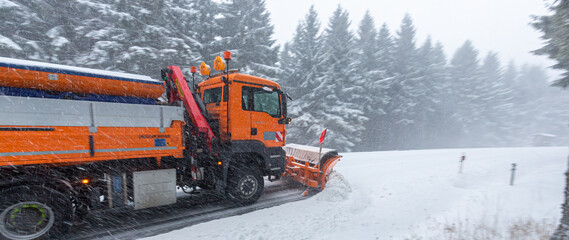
(308, 165)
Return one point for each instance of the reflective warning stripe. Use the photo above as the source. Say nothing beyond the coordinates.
(134, 149)
(5, 154)
(41, 153)
(279, 136)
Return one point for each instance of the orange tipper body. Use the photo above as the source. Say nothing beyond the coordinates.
(23, 74)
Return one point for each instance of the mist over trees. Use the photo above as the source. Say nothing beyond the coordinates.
(413, 96)
(374, 88)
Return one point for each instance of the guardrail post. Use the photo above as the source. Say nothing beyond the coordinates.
(462, 158)
(513, 174)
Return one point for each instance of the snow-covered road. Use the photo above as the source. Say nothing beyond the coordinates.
(189, 210)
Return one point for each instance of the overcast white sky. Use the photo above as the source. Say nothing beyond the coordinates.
(492, 25)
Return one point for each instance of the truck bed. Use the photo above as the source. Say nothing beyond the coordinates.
(55, 131)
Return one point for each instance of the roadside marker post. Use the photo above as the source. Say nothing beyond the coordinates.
(462, 159)
(513, 174)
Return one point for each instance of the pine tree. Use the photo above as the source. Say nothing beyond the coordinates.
(372, 78)
(204, 28)
(287, 63)
(497, 98)
(556, 33)
(403, 90)
(537, 109)
(335, 98)
(247, 32)
(405, 48)
(303, 72)
(430, 117)
(133, 36)
(465, 75)
(10, 14)
(511, 80)
(366, 44)
(444, 120)
(511, 74)
(385, 63)
(64, 40)
(385, 48)
(139, 37)
(308, 52)
(31, 30)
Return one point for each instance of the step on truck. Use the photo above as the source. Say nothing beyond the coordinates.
(76, 140)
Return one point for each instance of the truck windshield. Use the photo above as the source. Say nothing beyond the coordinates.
(212, 95)
(259, 100)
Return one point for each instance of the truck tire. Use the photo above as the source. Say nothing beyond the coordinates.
(245, 185)
(34, 213)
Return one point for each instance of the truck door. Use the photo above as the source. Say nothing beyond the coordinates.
(217, 109)
(264, 105)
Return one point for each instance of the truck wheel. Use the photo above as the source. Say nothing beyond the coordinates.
(245, 185)
(31, 213)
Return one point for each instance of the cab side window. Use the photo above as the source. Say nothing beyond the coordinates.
(259, 100)
(212, 95)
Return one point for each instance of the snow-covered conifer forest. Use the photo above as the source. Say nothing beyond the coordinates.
(373, 87)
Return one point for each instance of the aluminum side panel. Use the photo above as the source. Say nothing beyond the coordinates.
(22, 111)
(154, 188)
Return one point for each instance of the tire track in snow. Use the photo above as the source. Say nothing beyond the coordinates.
(190, 210)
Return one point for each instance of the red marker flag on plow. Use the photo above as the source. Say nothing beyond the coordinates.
(322, 136)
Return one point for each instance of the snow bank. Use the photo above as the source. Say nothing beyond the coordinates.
(411, 195)
(337, 189)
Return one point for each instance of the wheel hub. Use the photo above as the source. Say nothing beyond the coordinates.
(247, 186)
(26, 220)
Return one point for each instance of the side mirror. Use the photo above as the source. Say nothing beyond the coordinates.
(285, 120)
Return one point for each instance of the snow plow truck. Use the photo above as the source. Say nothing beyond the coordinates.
(76, 140)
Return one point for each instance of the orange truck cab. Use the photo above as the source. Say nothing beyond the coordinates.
(257, 117)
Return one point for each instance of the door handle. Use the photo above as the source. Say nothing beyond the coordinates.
(253, 131)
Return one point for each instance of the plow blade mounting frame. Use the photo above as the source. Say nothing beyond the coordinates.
(309, 166)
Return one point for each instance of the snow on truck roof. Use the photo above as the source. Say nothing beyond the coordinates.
(80, 71)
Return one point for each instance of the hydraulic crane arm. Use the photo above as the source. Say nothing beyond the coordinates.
(177, 89)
